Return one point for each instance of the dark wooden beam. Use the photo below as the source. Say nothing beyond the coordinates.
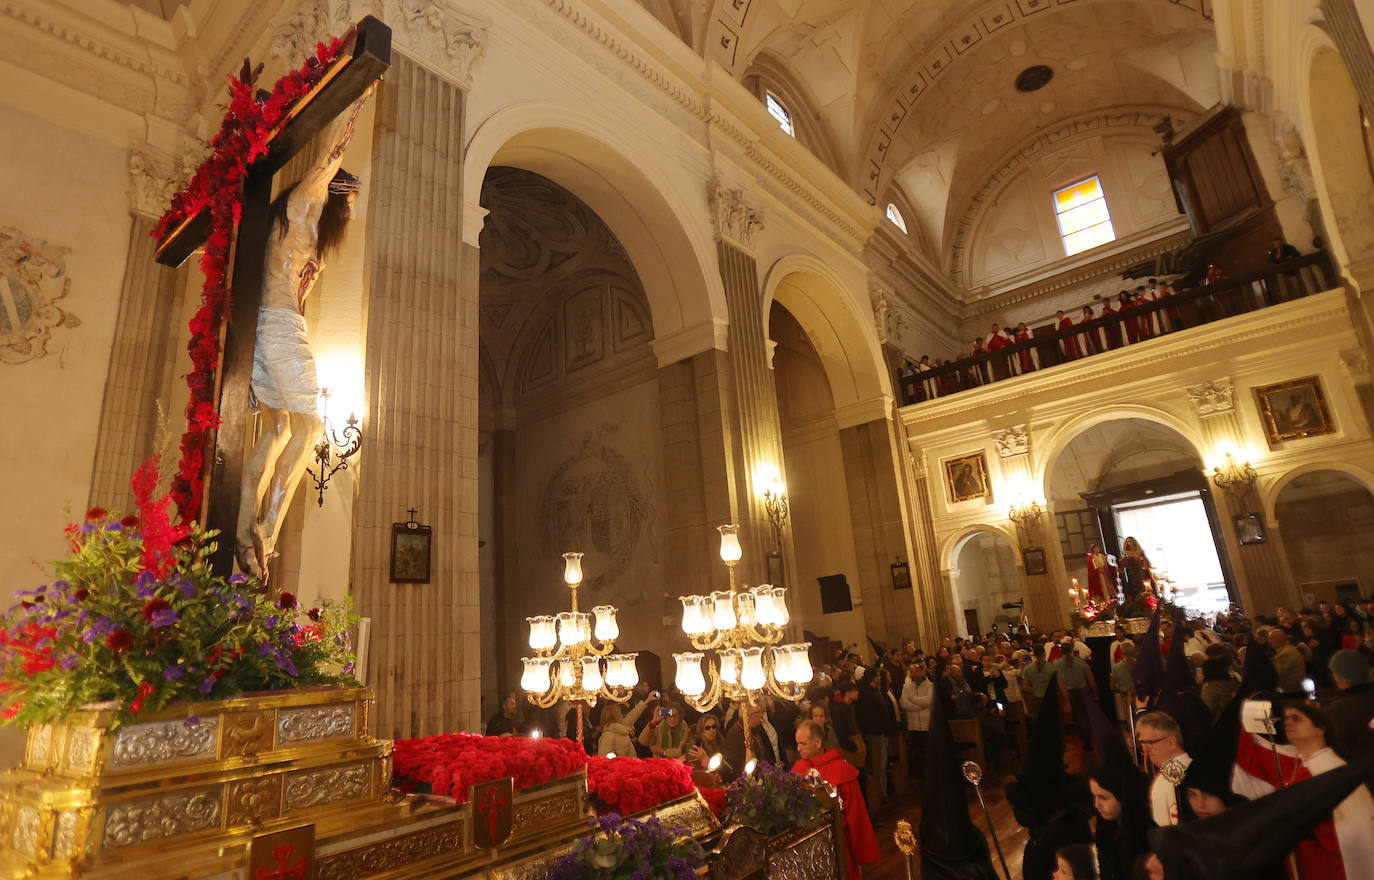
(349, 76)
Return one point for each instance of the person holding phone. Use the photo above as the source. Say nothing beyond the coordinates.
(665, 735)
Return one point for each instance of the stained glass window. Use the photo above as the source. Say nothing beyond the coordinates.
(1084, 222)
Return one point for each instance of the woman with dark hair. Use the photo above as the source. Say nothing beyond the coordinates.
(1341, 847)
(1123, 818)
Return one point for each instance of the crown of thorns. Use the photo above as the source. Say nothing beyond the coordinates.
(343, 184)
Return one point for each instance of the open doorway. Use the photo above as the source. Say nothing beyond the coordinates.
(1177, 537)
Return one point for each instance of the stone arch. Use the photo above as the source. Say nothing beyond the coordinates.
(952, 545)
(665, 232)
(1330, 108)
(1269, 495)
(843, 338)
(1059, 439)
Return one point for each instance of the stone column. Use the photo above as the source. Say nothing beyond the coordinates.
(758, 444)
(420, 443)
(1352, 41)
(1261, 571)
(878, 517)
(934, 591)
(145, 340)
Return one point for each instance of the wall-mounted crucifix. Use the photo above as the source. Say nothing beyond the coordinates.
(276, 258)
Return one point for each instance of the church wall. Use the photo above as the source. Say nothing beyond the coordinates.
(65, 198)
(1328, 532)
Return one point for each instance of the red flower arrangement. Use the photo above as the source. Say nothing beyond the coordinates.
(452, 762)
(243, 137)
(628, 785)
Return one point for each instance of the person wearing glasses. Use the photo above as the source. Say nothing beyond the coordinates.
(1161, 739)
(706, 743)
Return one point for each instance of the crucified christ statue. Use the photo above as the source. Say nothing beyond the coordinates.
(308, 222)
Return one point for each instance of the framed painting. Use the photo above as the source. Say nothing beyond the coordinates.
(1034, 559)
(1250, 529)
(901, 576)
(1293, 410)
(966, 478)
(410, 553)
(776, 576)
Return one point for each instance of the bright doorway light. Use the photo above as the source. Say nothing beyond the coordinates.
(1175, 534)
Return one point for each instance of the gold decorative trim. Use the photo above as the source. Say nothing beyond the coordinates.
(388, 855)
(162, 742)
(545, 811)
(157, 818)
(246, 734)
(253, 801)
(314, 723)
(83, 746)
(319, 787)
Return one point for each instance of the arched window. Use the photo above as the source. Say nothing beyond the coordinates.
(778, 111)
(896, 217)
(1084, 222)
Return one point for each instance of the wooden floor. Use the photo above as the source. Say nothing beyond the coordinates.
(892, 865)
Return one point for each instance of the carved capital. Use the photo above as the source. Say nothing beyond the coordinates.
(441, 38)
(734, 219)
(1012, 442)
(297, 28)
(1212, 398)
(153, 180)
(879, 301)
(1356, 366)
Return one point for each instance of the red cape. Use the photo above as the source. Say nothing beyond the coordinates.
(860, 843)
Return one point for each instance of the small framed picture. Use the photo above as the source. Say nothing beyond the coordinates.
(410, 553)
(1293, 410)
(776, 576)
(901, 576)
(1034, 560)
(1250, 529)
(966, 478)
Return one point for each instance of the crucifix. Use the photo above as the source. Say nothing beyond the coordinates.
(289, 239)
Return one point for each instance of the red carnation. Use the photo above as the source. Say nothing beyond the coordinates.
(129, 522)
(313, 614)
(119, 640)
(286, 601)
(96, 513)
(80, 594)
(153, 607)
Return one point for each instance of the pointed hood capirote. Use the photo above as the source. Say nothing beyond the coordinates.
(1257, 835)
(1213, 765)
(1177, 674)
(1123, 839)
(1149, 665)
(952, 847)
(1043, 787)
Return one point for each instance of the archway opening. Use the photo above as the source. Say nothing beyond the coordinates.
(1326, 521)
(985, 577)
(1342, 159)
(570, 436)
(1133, 477)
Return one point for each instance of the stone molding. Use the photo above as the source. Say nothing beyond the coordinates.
(1356, 365)
(1212, 398)
(154, 177)
(1012, 442)
(732, 216)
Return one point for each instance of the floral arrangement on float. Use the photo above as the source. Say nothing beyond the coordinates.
(243, 137)
(449, 764)
(1101, 611)
(630, 785)
(136, 619)
(772, 800)
(627, 849)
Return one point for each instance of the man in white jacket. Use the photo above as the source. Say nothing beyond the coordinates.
(918, 694)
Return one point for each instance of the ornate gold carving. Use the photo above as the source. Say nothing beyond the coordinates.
(545, 811)
(390, 854)
(315, 723)
(64, 846)
(246, 734)
(536, 867)
(161, 817)
(24, 839)
(327, 786)
(83, 744)
(690, 813)
(253, 801)
(811, 859)
(39, 746)
(162, 742)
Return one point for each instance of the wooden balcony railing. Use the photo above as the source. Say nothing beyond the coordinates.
(1050, 346)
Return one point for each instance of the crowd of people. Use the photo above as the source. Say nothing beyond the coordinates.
(1175, 755)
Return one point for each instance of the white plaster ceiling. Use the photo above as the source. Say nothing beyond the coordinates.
(1117, 453)
(921, 93)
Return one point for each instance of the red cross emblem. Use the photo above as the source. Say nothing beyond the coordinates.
(282, 855)
(492, 802)
(284, 869)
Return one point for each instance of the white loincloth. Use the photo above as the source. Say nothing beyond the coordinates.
(283, 364)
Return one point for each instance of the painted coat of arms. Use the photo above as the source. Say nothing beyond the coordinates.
(33, 280)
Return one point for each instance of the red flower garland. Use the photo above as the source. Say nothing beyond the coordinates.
(628, 785)
(216, 187)
(452, 762)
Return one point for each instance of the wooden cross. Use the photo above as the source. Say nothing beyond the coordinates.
(349, 77)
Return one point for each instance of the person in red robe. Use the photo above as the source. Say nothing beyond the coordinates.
(998, 368)
(1102, 581)
(1111, 331)
(977, 374)
(860, 842)
(1068, 345)
(1023, 334)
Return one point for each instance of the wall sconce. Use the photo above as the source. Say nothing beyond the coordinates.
(775, 505)
(347, 442)
(1026, 513)
(1235, 479)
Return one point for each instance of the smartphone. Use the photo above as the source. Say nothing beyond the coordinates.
(1310, 687)
(665, 712)
(657, 695)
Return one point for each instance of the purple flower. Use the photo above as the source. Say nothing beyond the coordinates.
(173, 673)
(102, 627)
(205, 686)
(188, 589)
(165, 617)
(69, 661)
(265, 649)
(238, 578)
(145, 583)
(272, 622)
(192, 721)
(88, 528)
(114, 527)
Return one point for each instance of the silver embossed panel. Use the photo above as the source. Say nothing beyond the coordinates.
(156, 818)
(25, 836)
(163, 742)
(315, 723)
(65, 844)
(318, 787)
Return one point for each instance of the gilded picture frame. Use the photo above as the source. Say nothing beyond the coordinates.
(1294, 410)
(966, 478)
(410, 553)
